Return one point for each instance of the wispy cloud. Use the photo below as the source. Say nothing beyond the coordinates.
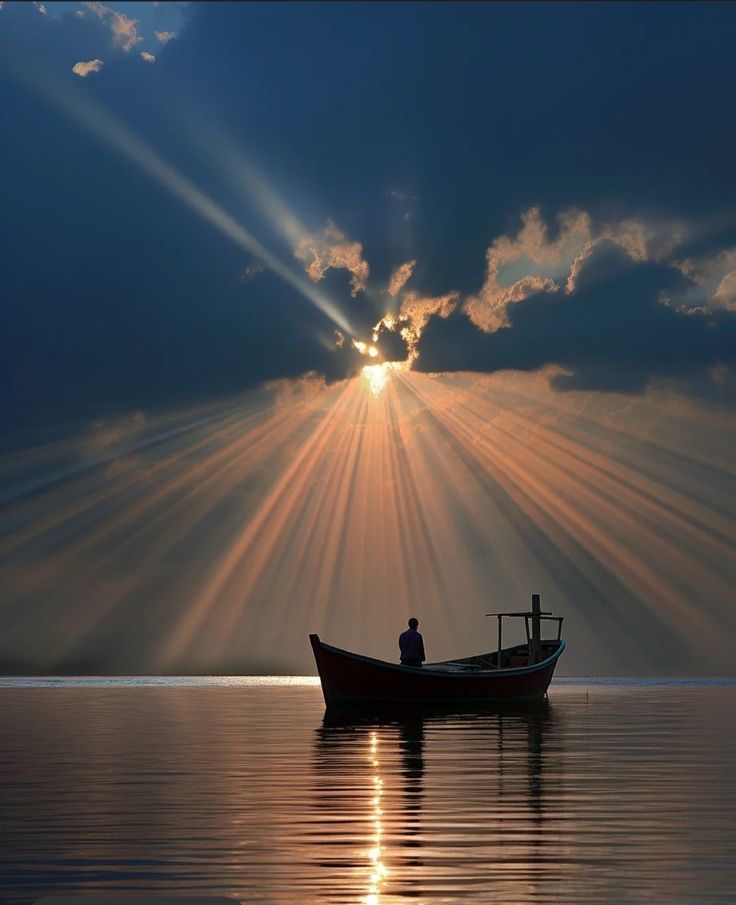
(331, 248)
(125, 34)
(164, 36)
(107, 433)
(40, 7)
(251, 271)
(406, 199)
(399, 277)
(83, 69)
(725, 294)
(148, 57)
(400, 196)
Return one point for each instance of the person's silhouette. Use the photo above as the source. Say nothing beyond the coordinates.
(411, 645)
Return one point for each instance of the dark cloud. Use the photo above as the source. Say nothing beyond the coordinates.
(612, 333)
(116, 297)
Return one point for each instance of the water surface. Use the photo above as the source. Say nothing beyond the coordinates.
(619, 792)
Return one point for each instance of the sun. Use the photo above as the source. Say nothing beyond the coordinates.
(377, 377)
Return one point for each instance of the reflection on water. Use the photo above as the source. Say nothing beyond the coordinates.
(512, 741)
(609, 794)
(378, 870)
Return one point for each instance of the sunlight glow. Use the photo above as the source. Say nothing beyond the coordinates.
(198, 534)
(377, 377)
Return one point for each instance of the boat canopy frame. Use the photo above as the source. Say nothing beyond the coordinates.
(534, 638)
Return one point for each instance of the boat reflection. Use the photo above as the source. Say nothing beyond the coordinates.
(398, 789)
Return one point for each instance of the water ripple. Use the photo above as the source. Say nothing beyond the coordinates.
(612, 793)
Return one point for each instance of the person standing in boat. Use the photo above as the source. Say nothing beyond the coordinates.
(411, 645)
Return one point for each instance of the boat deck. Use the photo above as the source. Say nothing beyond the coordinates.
(511, 658)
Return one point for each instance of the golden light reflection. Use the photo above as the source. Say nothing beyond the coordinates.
(378, 869)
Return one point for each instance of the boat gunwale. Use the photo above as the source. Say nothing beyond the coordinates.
(429, 672)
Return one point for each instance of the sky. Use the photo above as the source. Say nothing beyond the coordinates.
(316, 316)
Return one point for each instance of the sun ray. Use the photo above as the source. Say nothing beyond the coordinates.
(191, 539)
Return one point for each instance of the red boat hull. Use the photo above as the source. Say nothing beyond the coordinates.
(350, 679)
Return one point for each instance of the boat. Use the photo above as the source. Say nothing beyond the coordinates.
(511, 675)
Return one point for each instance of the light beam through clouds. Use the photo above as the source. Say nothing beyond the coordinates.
(100, 122)
(318, 250)
(216, 539)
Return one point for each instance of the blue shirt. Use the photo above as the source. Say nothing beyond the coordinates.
(411, 645)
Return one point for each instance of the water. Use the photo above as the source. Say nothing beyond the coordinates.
(619, 792)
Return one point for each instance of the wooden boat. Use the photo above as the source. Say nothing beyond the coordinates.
(505, 675)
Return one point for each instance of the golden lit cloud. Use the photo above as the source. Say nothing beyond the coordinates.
(399, 277)
(532, 263)
(331, 248)
(83, 69)
(122, 27)
(416, 311)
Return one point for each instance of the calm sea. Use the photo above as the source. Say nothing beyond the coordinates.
(616, 792)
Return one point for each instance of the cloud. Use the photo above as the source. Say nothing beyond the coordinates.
(110, 432)
(715, 278)
(399, 336)
(164, 36)
(251, 271)
(306, 391)
(40, 7)
(407, 200)
(148, 57)
(530, 263)
(725, 294)
(236, 345)
(488, 310)
(609, 331)
(123, 28)
(330, 248)
(83, 69)
(417, 309)
(399, 277)
(400, 196)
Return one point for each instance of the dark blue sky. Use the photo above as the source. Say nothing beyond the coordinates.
(423, 132)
